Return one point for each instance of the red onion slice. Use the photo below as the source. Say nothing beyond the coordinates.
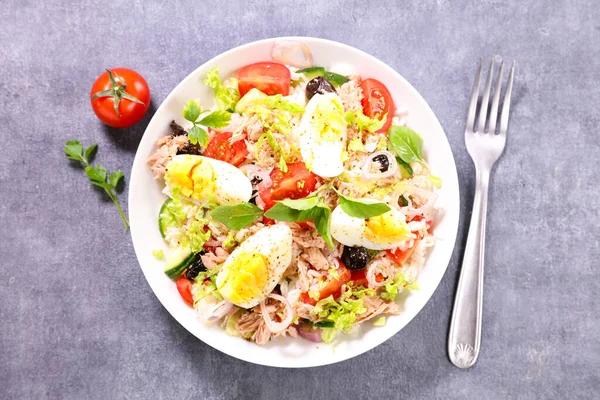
(392, 168)
(254, 171)
(378, 266)
(276, 327)
(309, 332)
(292, 53)
(217, 312)
(426, 209)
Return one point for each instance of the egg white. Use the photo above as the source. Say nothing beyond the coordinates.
(350, 231)
(275, 243)
(323, 157)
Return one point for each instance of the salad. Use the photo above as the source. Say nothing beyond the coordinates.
(298, 202)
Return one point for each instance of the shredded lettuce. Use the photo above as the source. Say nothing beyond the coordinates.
(436, 181)
(379, 321)
(158, 254)
(230, 241)
(204, 284)
(196, 234)
(344, 311)
(231, 326)
(356, 145)
(328, 334)
(275, 114)
(364, 123)
(395, 286)
(226, 94)
(174, 214)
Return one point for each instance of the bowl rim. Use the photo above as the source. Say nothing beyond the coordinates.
(452, 232)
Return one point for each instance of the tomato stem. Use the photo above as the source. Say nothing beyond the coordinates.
(117, 91)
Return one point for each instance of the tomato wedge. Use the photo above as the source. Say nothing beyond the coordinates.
(184, 287)
(359, 278)
(332, 288)
(268, 77)
(220, 148)
(377, 102)
(296, 183)
(400, 256)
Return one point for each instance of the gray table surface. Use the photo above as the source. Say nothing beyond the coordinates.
(77, 318)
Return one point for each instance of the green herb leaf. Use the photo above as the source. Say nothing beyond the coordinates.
(281, 212)
(192, 110)
(197, 135)
(216, 119)
(406, 143)
(403, 201)
(301, 204)
(336, 80)
(115, 177)
(96, 174)
(90, 152)
(322, 222)
(236, 217)
(405, 169)
(361, 209)
(74, 151)
(307, 209)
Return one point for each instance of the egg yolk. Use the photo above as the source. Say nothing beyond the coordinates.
(246, 277)
(386, 228)
(330, 120)
(192, 175)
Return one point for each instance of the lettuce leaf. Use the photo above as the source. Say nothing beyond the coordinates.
(227, 95)
(364, 123)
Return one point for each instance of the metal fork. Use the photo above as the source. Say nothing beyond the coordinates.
(464, 339)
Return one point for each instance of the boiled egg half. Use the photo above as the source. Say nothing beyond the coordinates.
(255, 267)
(207, 180)
(321, 135)
(385, 231)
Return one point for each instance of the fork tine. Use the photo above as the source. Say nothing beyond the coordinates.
(496, 100)
(474, 96)
(506, 103)
(485, 99)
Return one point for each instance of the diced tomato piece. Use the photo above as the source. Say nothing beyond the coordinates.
(296, 183)
(359, 278)
(333, 286)
(220, 148)
(268, 77)
(184, 287)
(400, 256)
(377, 102)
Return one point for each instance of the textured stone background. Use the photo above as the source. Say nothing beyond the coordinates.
(77, 319)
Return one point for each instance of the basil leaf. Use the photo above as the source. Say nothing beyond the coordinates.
(236, 217)
(216, 119)
(191, 111)
(197, 135)
(406, 143)
(281, 212)
(322, 222)
(359, 209)
(405, 169)
(301, 204)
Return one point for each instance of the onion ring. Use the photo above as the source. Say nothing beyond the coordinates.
(272, 326)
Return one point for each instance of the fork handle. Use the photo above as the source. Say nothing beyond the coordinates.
(464, 338)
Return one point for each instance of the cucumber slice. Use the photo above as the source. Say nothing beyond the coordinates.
(312, 72)
(178, 261)
(162, 224)
(336, 80)
(244, 102)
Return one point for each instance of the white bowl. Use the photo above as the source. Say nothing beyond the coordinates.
(145, 200)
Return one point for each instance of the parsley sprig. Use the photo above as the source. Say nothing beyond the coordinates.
(98, 175)
(192, 111)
